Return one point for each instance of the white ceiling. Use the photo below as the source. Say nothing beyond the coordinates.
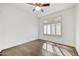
(54, 7)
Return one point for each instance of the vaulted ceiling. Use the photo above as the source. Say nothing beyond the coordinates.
(54, 7)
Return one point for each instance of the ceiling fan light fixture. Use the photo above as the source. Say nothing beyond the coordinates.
(38, 8)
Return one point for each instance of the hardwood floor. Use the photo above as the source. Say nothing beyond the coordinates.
(35, 48)
(70, 49)
(29, 49)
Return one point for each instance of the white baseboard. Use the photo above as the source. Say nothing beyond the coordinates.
(17, 44)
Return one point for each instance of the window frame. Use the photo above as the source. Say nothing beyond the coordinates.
(51, 28)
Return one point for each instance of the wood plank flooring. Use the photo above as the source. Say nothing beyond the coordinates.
(35, 48)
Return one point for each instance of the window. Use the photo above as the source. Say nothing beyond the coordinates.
(58, 29)
(47, 29)
(53, 28)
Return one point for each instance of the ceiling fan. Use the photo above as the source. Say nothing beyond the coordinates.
(38, 6)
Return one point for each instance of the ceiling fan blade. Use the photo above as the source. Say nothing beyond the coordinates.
(32, 4)
(33, 10)
(38, 4)
(45, 5)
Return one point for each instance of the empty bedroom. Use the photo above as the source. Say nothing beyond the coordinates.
(39, 29)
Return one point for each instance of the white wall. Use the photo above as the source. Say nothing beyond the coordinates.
(77, 28)
(16, 26)
(68, 27)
